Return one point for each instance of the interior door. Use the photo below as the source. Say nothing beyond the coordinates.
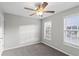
(1, 34)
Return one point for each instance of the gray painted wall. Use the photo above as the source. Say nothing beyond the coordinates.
(57, 31)
(20, 31)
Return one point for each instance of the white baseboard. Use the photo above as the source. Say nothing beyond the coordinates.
(25, 44)
(57, 48)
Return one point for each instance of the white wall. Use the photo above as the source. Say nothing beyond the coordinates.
(58, 32)
(20, 31)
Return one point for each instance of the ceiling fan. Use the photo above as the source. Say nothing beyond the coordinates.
(40, 9)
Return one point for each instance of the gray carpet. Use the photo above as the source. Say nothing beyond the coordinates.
(33, 50)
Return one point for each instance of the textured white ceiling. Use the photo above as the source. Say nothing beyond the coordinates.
(17, 8)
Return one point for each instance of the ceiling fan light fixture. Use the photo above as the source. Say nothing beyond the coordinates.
(39, 13)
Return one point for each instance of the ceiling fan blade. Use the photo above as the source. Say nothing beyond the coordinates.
(32, 14)
(49, 11)
(44, 4)
(29, 9)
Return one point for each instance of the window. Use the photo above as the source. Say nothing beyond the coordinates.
(71, 30)
(47, 30)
